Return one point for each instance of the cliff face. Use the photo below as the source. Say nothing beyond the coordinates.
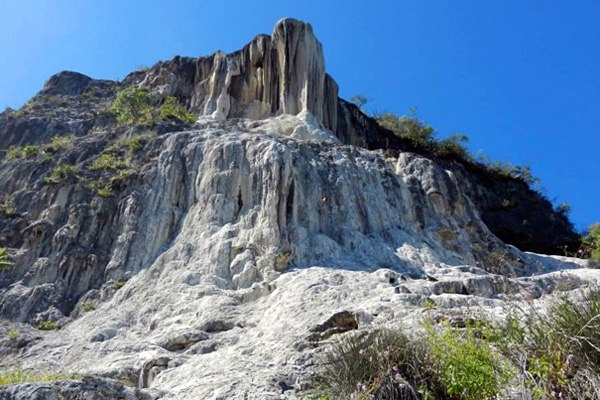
(272, 75)
(206, 260)
(513, 211)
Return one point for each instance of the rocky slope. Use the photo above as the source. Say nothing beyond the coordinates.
(215, 260)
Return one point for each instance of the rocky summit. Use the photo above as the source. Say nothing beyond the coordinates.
(220, 256)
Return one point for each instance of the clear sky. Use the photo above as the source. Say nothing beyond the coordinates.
(520, 78)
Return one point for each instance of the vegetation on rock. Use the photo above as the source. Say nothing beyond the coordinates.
(134, 105)
(590, 243)
(13, 376)
(171, 108)
(47, 325)
(422, 137)
(4, 262)
(62, 173)
(539, 356)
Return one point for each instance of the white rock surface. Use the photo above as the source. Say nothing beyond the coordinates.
(272, 75)
(250, 236)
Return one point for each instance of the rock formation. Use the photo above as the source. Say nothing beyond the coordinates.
(272, 75)
(214, 260)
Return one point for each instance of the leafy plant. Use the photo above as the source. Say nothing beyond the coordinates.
(8, 206)
(58, 143)
(453, 146)
(13, 376)
(429, 303)
(13, 334)
(469, 367)
(409, 127)
(88, 306)
(62, 173)
(107, 162)
(13, 152)
(104, 186)
(171, 108)
(4, 262)
(119, 283)
(557, 352)
(376, 364)
(422, 137)
(47, 325)
(27, 151)
(590, 243)
(133, 106)
(133, 144)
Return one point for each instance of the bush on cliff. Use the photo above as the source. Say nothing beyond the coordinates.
(590, 243)
(134, 105)
(4, 263)
(555, 355)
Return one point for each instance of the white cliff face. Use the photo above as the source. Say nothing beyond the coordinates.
(245, 238)
(279, 74)
(243, 246)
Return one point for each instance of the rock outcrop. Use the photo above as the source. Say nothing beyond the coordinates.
(272, 75)
(214, 260)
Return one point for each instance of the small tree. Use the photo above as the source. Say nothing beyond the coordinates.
(132, 106)
(453, 146)
(359, 100)
(171, 108)
(409, 127)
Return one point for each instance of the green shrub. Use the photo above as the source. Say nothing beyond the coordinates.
(88, 306)
(171, 108)
(558, 352)
(4, 262)
(8, 206)
(590, 243)
(133, 144)
(136, 143)
(13, 334)
(104, 186)
(508, 170)
(30, 150)
(133, 106)
(453, 146)
(47, 325)
(58, 143)
(119, 283)
(107, 162)
(470, 368)
(13, 376)
(375, 364)
(13, 152)
(422, 137)
(409, 127)
(62, 173)
(27, 151)
(531, 355)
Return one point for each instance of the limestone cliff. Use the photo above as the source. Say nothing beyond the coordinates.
(209, 260)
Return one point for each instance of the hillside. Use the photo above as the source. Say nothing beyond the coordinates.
(216, 257)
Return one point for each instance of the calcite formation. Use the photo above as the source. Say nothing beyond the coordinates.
(234, 249)
(272, 75)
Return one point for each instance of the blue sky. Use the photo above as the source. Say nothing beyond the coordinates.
(520, 78)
